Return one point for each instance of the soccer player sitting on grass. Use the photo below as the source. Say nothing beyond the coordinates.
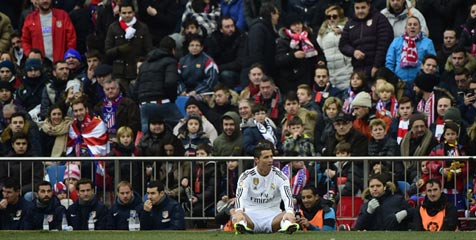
(259, 194)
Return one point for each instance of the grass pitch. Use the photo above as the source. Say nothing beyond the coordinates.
(209, 235)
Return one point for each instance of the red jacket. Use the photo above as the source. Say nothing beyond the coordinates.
(64, 34)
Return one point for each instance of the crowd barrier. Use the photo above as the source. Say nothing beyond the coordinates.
(347, 207)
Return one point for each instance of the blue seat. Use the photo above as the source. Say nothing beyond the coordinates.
(403, 186)
(55, 173)
(180, 102)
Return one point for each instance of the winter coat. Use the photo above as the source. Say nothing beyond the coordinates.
(371, 35)
(197, 73)
(52, 93)
(450, 221)
(357, 141)
(190, 143)
(5, 32)
(35, 214)
(63, 33)
(225, 50)
(12, 217)
(251, 137)
(294, 71)
(128, 114)
(309, 119)
(339, 65)
(119, 213)
(123, 53)
(78, 215)
(232, 145)
(29, 93)
(383, 219)
(392, 61)
(208, 128)
(166, 215)
(164, 22)
(398, 22)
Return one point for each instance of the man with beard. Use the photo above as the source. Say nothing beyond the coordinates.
(322, 88)
(55, 28)
(223, 46)
(419, 141)
(230, 141)
(436, 213)
(88, 208)
(16, 49)
(55, 88)
(315, 214)
(46, 208)
(13, 206)
(128, 203)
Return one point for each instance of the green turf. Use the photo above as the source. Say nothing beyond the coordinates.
(207, 235)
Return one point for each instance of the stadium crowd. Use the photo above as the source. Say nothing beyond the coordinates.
(91, 78)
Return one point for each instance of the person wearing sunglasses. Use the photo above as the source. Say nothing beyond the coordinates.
(339, 65)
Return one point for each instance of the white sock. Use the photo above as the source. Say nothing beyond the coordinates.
(243, 222)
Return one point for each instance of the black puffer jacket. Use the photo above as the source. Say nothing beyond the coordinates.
(371, 35)
(157, 77)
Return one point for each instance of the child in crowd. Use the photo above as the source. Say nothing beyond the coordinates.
(418, 187)
(400, 124)
(297, 143)
(357, 85)
(304, 94)
(387, 103)
(191, 134)
(61, 192)
(72, 174)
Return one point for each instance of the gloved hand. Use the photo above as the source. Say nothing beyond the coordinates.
(401, 215)
(372, 206)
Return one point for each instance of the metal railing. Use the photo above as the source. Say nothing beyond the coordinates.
(152, 168)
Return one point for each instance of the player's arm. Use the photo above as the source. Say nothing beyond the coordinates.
(286, 196)
(242, 192)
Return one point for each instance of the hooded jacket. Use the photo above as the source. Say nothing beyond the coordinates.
(119, 213)
(232, 145)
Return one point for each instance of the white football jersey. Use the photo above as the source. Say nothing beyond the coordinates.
(263, 193)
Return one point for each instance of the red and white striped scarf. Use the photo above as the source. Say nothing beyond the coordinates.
(298, 181)
(301, 39)
(428, 107)
(402, 129)
(127, 27)
(409, 57)
(393, 109)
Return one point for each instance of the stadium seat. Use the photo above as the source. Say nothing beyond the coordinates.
(180, 102)
(344, 209)
(403, 186)
(55, 173)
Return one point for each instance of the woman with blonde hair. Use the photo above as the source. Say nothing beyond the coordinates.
(340, 66)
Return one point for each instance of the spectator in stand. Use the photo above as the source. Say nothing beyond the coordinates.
(20, 123)
(400, 124)
(160, 211)
(292, 108)
(443, 103)
(251, 9)
(419, 141)
(387, 104)
(45, 207)
(261, 127)
(344, 131)
(223, 46)
(87, 135)
(230, 141)
(126, 40)
(172, 173)
(405, 53)
(29, 93)
(255, 75)
(46, 63)
(128, 202)
(297, 54)
(8, 74)
(88, 208)
(467, 38)
(260, 46)
(124, 147)
(71, 176)
(117, 110)
(450, 41)
(7, 97)
(13, 206)
(191, 134)
(385, 210)
(61, 192)
(325, 129)
(436, 213)
(357, 85)
(198, 73)
(459, 59)
(305, 95)
(317, 213)
(398, 12)
(160, 17)
(55, 87)
(93, 59)
(270, 97)
(189, 27)
(468, 108)
(366, 38)
(322, 87)
(297, 143)
(330, 32)
(223, 100)
(194, 106)
(16, 49)
(245, 107)
(363, 112)
(54, 132)
(426, 98)
(76, 67)
(235, 9)
(205, 12)
(107, 13)
(53, 38)
(74, 90)
(156, 85)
